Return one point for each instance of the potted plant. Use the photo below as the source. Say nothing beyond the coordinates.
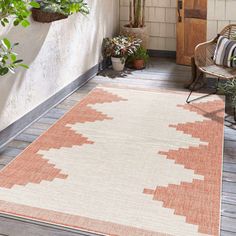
(119, 48)
(136, 26)
(229, 89)
(53, 10)
(139, 59)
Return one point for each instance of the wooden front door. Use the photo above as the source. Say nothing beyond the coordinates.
(191, 28)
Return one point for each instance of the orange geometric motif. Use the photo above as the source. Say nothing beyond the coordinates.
(199, 201)
(89, 170)
(31, 167)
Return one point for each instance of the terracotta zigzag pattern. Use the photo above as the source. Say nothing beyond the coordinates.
(199, 201)
(30, 167)
(86, 171)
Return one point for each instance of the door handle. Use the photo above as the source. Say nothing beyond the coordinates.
(180, 7)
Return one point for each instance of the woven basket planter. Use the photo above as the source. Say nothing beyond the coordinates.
(46, 17)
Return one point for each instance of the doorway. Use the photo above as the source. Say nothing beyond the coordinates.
(191, 28)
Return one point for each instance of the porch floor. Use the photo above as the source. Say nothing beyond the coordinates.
(159, 73)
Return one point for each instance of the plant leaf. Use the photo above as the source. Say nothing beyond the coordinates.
(34, 4)
(6, 43)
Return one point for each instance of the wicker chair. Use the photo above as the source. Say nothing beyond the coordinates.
(203, 56)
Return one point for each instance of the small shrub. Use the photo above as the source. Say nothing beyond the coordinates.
(140, 54)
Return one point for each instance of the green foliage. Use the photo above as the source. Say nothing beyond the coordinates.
(120, 46)
(8, 59)
(19, 11)
(65, 7)
(140, 54)
(229, 88)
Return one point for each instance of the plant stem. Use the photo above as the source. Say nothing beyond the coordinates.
(138, 9)
(134, 9)
(130, 13)
(143, 18)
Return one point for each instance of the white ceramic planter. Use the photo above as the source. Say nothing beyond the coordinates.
(118, 64)
(141, 33)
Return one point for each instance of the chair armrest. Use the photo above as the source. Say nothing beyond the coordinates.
(204, 53)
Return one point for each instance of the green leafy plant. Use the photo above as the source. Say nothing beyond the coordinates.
(16, 9)
(65, 7)
(19, 11)
(120, 46)
(229, 88)
(8, 58)
(137, 13)
(140, 54)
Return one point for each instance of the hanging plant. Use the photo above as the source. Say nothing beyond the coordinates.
(52, 10)
(19, 11)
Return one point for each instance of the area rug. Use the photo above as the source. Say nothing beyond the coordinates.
(124, 162)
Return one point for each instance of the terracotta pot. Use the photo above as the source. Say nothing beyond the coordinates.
(139, 64)
(140, 33)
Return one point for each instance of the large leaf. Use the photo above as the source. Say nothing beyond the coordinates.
(6, 43)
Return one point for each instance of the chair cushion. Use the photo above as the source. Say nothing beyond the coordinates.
(225, 52)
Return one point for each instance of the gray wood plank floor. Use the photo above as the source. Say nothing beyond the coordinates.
(160, 73)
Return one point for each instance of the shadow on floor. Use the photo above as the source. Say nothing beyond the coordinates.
(115, 74)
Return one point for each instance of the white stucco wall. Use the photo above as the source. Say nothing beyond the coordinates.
(57, 53)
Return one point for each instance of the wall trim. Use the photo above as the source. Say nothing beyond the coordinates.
(9, 133)
(162, 53)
